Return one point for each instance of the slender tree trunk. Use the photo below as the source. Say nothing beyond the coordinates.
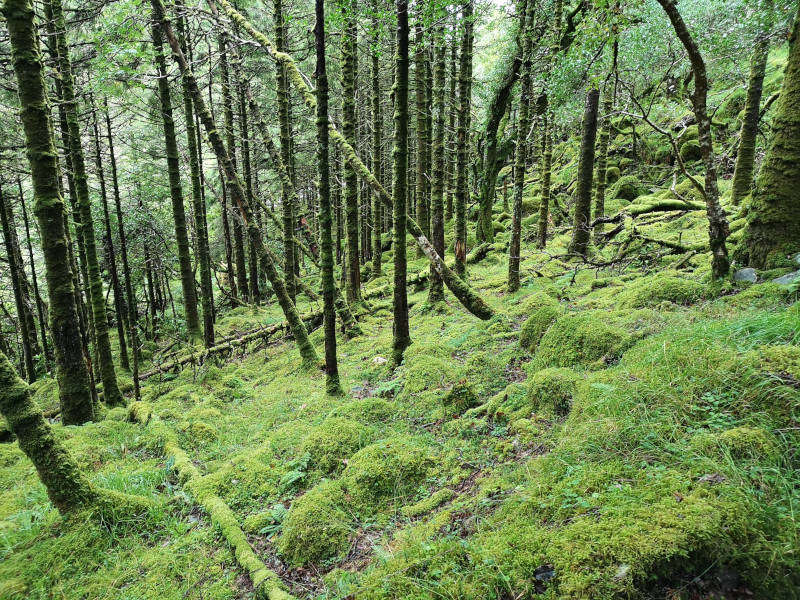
(402, 336)
(526, 9)
(108, 375)
(377, 125)
(718, 230)
(15, 270)
(436, 290)
(773, 217)
(73, 378)
(282, 86)
(332, 385)
(39, 304)
(745, 157)
(203, 257)
(581, 230)
(420, 80)
(450, 164)
(349, 76)
(462, 138)
(296, 326)
(111, 258)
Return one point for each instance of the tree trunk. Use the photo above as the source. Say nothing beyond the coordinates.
(296, 326)
(526, 10)
(462, 138)
(111, 259)
(73, 378)
(436, 290)
(108, 375)
(773, 218)
(718, 230)
(742, 182)
(332, 385)
(602, 157)
(420, 80)
(349, 76)
(377, 167)
(581, 229)
(15, 270)
(451, 128)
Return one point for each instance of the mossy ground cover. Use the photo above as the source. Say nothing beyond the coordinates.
(614, 432)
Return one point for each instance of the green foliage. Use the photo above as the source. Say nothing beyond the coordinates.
(330, 443)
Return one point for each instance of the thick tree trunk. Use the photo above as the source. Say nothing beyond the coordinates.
(602, 155)
(401, 334)
(526, 10)
(108, 375)
(581, 228)
(742, 182)
(296, 326)
(73, 378)
(332, 385)
(773, 217)
(718, 230)
(462, 138)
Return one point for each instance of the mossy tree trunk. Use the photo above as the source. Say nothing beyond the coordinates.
(462, 138)
(581, 227)
(742, 182)
(71, 371)
(436, 290)
(203, 257)
(718, 229)
(332, 385)
(377, 127)
(602, 154)
(108, 375)
(451, 129)
(521, 154)
(349, 76)
(401, 334)
(422, 133)
(111, 256)
(269, 261)
(15, 270)
(773, 218)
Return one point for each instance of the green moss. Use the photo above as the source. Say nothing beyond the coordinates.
(460, 398)
(652, 291)
(202, 433)
(316, 527)
(783, 360)
(581, 339)
(741, 443)
(732, 105)
(553, 389)
(14, 589)
(628, 188)
(330, 443)
(366, 410)
(428, 504)
(542, 310)
(690, 151)
(140, 412)
(117, 413)
(392, 468)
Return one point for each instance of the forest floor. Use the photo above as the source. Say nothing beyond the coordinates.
(619, 429)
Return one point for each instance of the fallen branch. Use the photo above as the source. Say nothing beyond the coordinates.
(634, 210)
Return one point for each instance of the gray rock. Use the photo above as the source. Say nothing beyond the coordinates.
(796, 258)
(788, 278)
(748, 274)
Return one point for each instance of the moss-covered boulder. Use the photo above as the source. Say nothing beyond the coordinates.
(627, 188)
(581, 339)
(690, 151)
(391, 468)
(460, 398)
(612, 175)
(316, 528)
(740, 443)
(652, 291)
(543, 310)
(330, 443)
(553, 389)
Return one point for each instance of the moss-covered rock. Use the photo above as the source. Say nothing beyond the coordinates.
(391, 468)
(543, 310)
(652, 291)
(553, 389)
(612, 175)
(741, 443)
(365, 410)
(627, 188)
(140, 412)
(690, 151)
(202, 433)
(460, 398)
(330, 443)
(316, 528)
(581, 339)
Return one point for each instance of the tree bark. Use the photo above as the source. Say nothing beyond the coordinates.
(462, 138)
(436, 289)
(73, 378)
(422, 134)
(602, 156)
(349, 76)
(581, 229)
(377, 125)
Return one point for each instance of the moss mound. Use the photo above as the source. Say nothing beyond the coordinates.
(690, 151)
(316, 528)
(553, 389)
(652, 291)
(741, 443)
(627, 188)
(333, 441)
(392, 468)
(460, 398)
(543, 311)
(581, 339)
